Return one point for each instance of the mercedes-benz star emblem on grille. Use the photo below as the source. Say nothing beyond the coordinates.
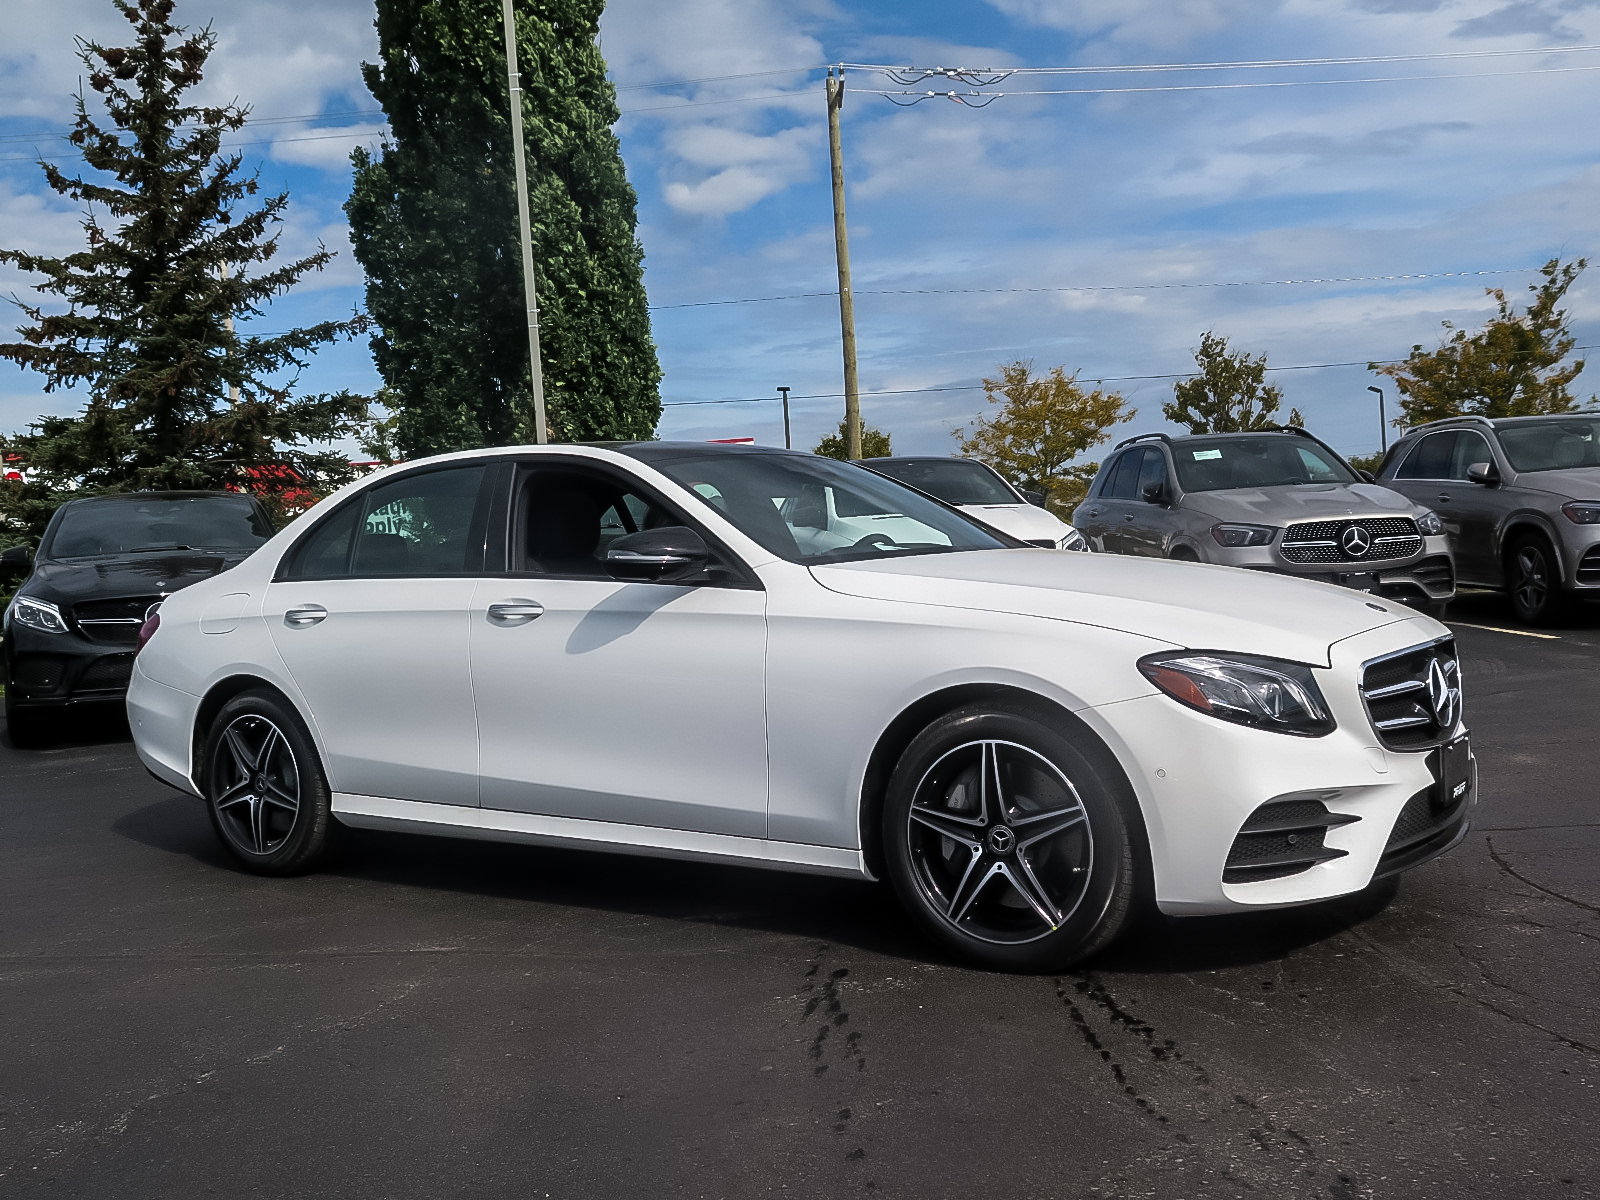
(1355, 541)
(1001, 839)
(1444, 697)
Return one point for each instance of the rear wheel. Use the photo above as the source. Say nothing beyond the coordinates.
(265, 791)
(1533, 577)
(1011, 841)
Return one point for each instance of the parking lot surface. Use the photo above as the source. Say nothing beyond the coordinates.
(431, 1018)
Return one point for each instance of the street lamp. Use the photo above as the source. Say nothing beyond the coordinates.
(1383, 425)
(785, 392)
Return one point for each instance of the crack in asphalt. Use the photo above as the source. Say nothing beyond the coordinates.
(1515, 874)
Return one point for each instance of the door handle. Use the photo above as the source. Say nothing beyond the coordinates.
(1129, 517)
(1092, 512)
(304, 615)
(1444, 497)
(515, 612)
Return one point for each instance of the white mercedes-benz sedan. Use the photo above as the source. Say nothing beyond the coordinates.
(665, 649)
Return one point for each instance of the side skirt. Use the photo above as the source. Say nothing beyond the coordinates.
(495, 825)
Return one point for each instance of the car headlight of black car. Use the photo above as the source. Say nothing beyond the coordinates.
(38, 614)
(1243, 535)
(1429, 524)
(1244, 689)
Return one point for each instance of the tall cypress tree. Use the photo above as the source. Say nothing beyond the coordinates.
(433, 219)
(177, 398)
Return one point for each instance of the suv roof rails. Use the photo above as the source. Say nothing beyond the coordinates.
(1466, 420)
(1143, 437)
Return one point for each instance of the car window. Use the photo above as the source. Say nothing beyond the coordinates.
(1429, 458)
(1124, 481)
(1554, 445)
(1470, 448)
(1211, 464)
(90, 528)
(1317, 468)
(953, 480)
(564, 519)
(1154, 471)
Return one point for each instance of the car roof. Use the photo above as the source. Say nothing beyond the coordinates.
(926, 458)
(129, 496)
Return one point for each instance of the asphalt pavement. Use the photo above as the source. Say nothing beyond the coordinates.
(431, 1018)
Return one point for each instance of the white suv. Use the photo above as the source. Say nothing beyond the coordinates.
(647, 649)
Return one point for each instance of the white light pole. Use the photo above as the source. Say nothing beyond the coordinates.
(541, 432)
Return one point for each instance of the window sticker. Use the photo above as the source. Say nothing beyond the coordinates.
(1201, 455)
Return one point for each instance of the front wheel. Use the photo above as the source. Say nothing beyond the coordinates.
(1534, 580)
(1010, 840)
(265, 791)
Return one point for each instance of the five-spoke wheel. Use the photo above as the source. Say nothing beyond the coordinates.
(1534, 580)
(264, 787)
(1007, 835)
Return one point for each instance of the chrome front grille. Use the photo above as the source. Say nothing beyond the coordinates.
(1384, 539)
(1413, 698)
(115, 621)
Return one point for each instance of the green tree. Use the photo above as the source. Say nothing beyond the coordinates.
(1045, 422)
(176, 398)
(1229, 395)
(433, 219)
(1509, 368)
(874, 444)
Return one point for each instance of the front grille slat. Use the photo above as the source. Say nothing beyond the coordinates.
(114, 621)
(1400, 704)
(1589, 567)
(1320, 541)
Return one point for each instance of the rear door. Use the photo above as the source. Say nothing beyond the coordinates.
(1101, 518)
(1152, 521)
(1471, 511)
(371, 616)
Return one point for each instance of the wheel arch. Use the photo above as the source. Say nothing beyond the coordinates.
(916, 717)
(1522, 523)
(219, 693)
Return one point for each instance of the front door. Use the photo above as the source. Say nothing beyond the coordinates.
(638, 703)
(372, 619)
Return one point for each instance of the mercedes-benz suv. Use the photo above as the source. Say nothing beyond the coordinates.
(1272, 501)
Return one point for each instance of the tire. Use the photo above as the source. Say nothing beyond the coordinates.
(1183, 554)
(266, 793)
(1044, 882)
(1533, 579)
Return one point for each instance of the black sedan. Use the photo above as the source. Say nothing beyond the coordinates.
(103, 563)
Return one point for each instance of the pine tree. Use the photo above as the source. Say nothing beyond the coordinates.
(177, 399)
(433, 218)
(1229, 395)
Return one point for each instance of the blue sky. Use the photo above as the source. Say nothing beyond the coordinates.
(967, 224)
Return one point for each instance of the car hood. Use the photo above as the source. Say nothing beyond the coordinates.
(1300, 502)
(149, 574)
(1190, 605)
(1574, 483)
(1025, 521)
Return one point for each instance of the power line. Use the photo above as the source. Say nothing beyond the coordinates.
(1115, 287)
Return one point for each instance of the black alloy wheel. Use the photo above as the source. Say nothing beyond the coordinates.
(1008, 838)
(1534, 580)
(265, 791)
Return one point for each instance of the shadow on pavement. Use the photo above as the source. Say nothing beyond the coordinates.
(88, 725)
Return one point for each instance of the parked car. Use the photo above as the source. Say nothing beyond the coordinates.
(979, 489)
(103, 562)
(633, 649)
(1274, 501)
(1520, 500)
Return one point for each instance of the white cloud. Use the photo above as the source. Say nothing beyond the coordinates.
(1144, 22)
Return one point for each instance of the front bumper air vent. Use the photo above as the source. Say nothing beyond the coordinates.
(1282, 838)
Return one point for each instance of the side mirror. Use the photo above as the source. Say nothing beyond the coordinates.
(671, 552)
(1037, 499)
(1154, 493)
(1367, 476)
(15, 560)
(1485, 474)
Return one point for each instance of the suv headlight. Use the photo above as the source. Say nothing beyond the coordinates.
(1243, 535)
(1429, 524)
(1073, 540)
(1582, 513)
(38, 614)
(1263, 693)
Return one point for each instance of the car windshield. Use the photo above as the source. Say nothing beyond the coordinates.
(1215, 464)
(953, 480)
(91, 528)
(1552, 445)
(814, 510)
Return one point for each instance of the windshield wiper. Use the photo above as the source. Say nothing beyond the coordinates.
(163, 546)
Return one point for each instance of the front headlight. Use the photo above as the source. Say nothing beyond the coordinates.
(1073, 540)
(38, 614)
(1243, 535)
(1429, 524)
(1580, 512)
(1263, 693)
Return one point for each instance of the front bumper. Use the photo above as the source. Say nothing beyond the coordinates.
(1202, 779)
(1580, 559)
(54, 670)
(1428, 576)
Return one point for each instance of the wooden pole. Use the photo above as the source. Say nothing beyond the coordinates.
(541, 433)
(841, 248)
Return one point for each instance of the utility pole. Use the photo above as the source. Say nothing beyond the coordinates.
(541, 433)
(841, 247)
(1383, 425)
(785, 392)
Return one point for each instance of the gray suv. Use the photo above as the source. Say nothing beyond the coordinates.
(1275, 501)
(1520, 498)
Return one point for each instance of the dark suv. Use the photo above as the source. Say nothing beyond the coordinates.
(1520, 500)
(103, 563)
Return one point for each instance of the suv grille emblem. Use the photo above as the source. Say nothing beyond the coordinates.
(1355, 541)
